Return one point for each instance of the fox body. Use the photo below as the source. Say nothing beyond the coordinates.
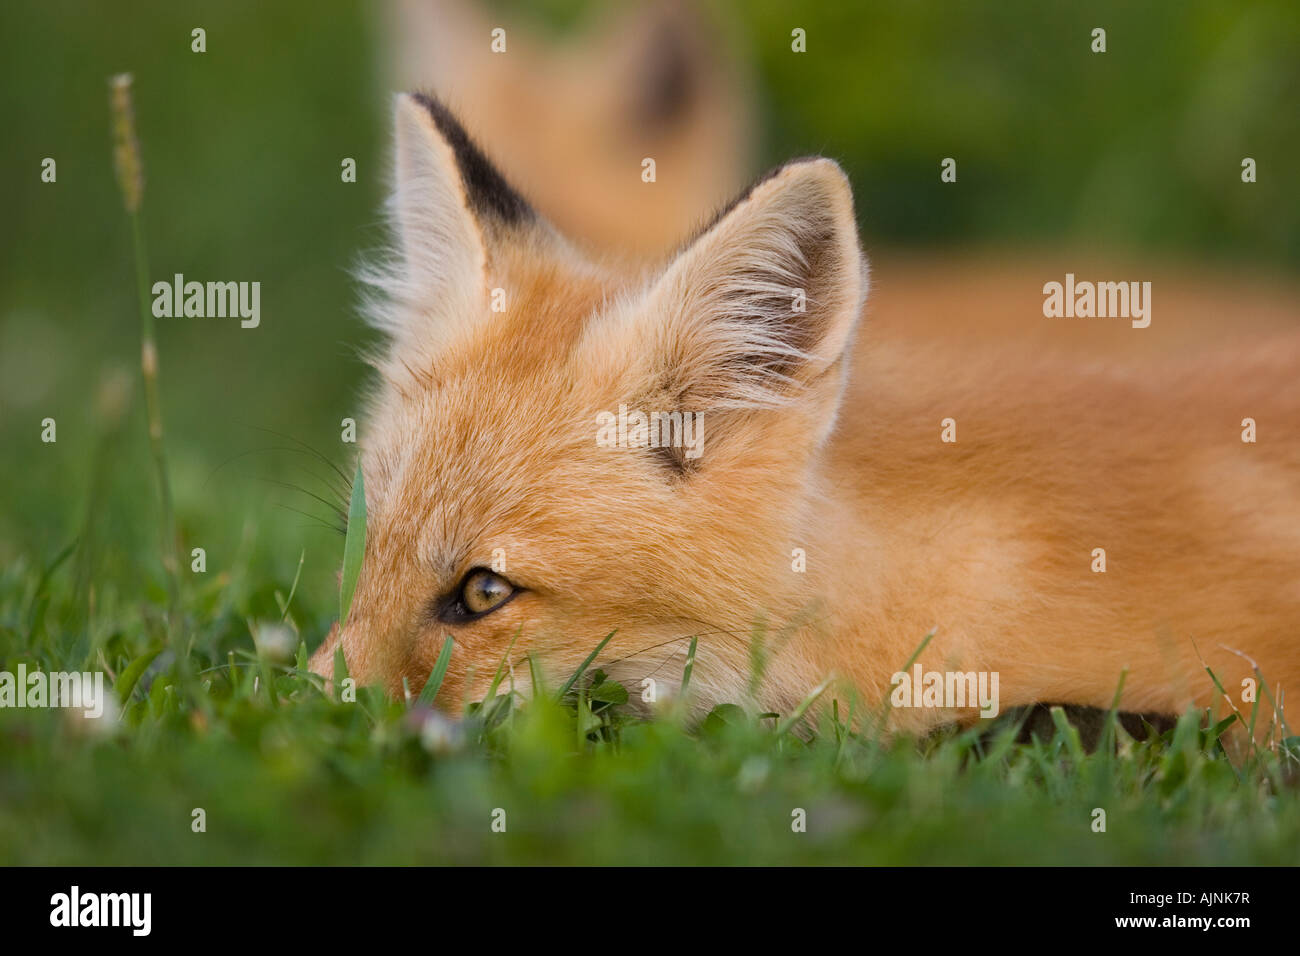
(824, 516)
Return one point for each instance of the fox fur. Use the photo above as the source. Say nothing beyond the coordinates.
(571, 122)
(823, 438)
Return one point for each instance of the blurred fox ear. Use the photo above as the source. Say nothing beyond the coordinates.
(764, 302)
(449, 203)
(669, 57)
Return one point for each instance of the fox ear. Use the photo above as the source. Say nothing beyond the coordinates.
(760, 308)
(668, 58)
(448, 205)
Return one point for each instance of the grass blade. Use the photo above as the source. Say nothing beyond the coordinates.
(434, 683)
(690, 666)
(293, 588)
(130, 178)
(501, 667)
(1068, 734)
(127, 680)
(785, 726)
(582, 668)
(535, 675)
(340, 667)
(1107, 742)
(354, 546)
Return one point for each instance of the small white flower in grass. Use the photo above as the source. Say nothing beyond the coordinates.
(753, 774)
(99, 718)
(275, 641)
(439, 734)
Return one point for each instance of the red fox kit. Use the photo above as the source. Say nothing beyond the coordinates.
(572, 122)
(1051, 523)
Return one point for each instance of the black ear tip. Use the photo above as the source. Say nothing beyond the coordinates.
(442, 116)
(487, 190)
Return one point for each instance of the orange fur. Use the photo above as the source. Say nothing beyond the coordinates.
(571, 121)
(821, 435)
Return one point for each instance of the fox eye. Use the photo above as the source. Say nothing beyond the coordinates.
(481, 592)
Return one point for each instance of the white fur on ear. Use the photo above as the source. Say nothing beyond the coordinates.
(768, 297)
(437, 269)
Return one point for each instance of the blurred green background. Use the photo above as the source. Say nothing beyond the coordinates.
(1137, 149)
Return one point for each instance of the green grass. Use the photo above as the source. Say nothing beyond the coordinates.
(286, 774)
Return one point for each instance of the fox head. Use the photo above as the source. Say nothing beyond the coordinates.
(571, 119)
(516, 502)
